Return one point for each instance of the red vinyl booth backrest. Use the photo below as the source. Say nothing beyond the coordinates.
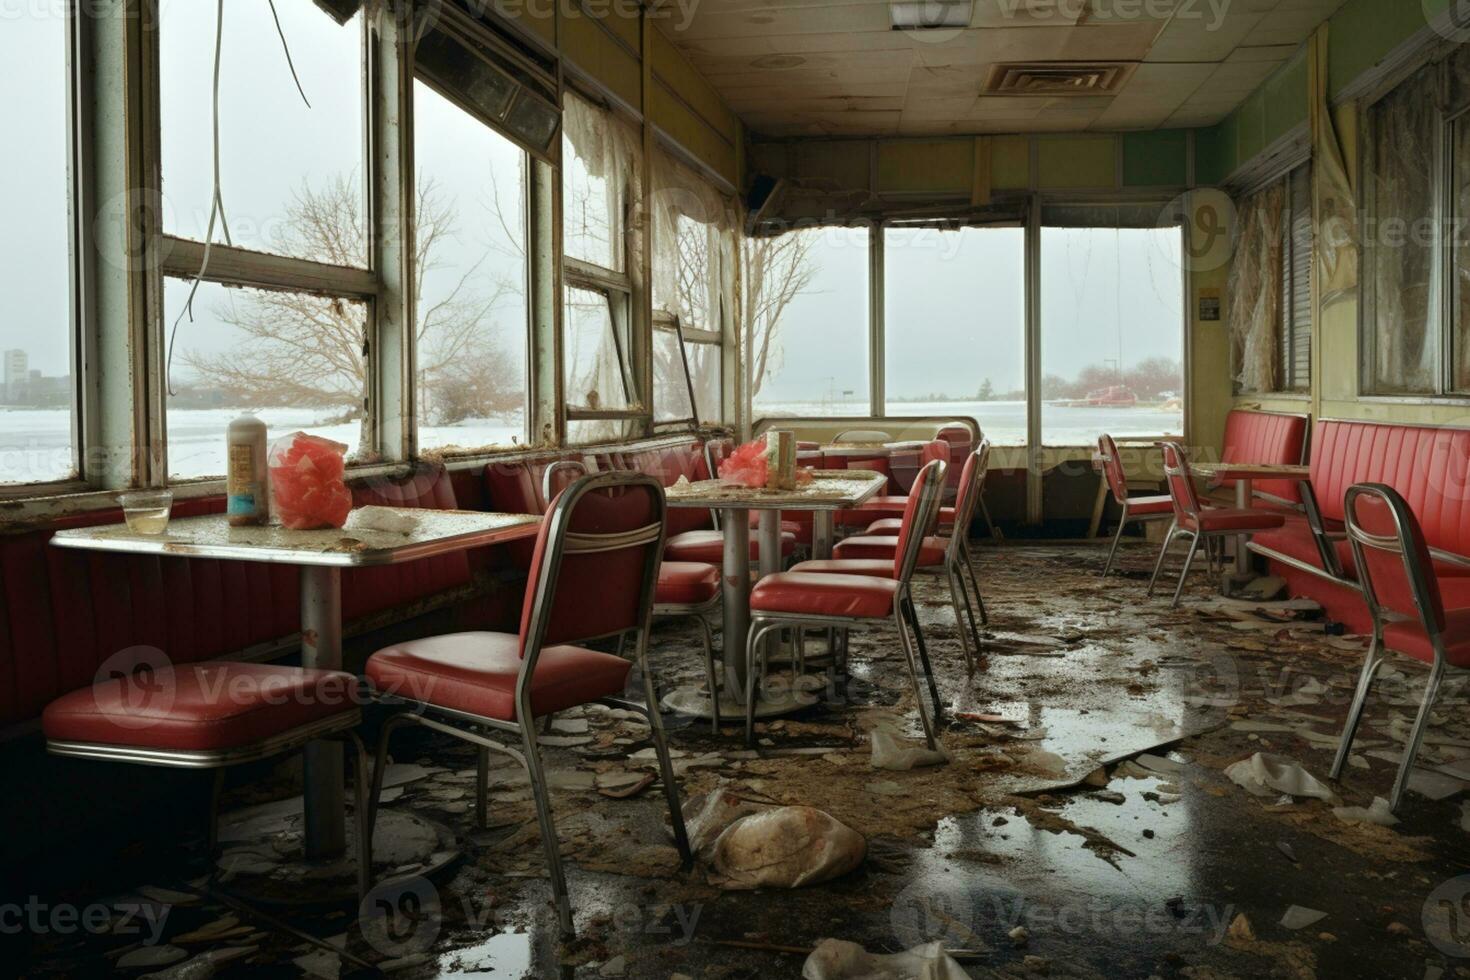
(597, 592)
(1427, 465)
(1265, 437)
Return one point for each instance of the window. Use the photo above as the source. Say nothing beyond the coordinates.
(957, 292)
(600, 160)
(293, 359)
(1112, 329)
(806, 296)
(1401, 276)
(38, 410)
(1295, 351)
(471, 273)
(686, 375)
(288, 340)
(275, 151)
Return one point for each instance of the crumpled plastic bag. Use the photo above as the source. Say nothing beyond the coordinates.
(747, 466)
(835, 959)
(1376, 812)
(1268, 775)
(705, 819)
(308, 485)
(785, 847)
(889, 753)
(374, 518)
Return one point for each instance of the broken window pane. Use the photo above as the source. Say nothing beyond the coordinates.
(1404, 277)
(291, 175)
(37, 393)
(670, 380)
(806, 304)
(471, 345)
(705, 371)
(294, 359)
(598, 171)
(953, 290)
(596, 342)
(1112, 333)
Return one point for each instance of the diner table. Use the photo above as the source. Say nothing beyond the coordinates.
(829, 491)
(320, 555)
(1245, 475)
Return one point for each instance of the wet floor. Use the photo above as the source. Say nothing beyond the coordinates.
(1085, 825)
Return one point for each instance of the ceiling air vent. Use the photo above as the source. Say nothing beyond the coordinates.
(1057, 78)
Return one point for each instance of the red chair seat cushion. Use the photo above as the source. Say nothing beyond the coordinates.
(1230, 519)
(686, 583)
(880, 567)
(476, 673)
(200, 707)
(1146, 506)
(931, 552)
(806, 594)
(1409, 637)
(708, 547)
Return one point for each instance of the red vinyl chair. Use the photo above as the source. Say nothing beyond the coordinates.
(687, 590)
(1135, 510)
(817, 600)
(1409, 617)
(1197, 522)
(939, 556)
(894, 505)
(214, 715)
(593, 577)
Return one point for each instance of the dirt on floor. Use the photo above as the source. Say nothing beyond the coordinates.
(1083, 826)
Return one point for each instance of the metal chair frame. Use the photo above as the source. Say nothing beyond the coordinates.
(1124, 519)
(468, 727)
(340, 727)
(1193, 508)
(957, 562)
(1401, 544)
(762, 623)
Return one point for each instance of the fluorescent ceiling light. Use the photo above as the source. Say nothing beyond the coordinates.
(929, 15)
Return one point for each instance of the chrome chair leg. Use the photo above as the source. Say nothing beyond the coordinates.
(908, 652)
(666, 768)
(540, 793)
(976, 642)
(754, 661)
(975, 584)
(1360, 697)
(482, 786)
(1163, 553)
(1117, 539)
(363, 814)
(1184, 574)
(959, 618)
(912, 612)
(1421, 723)
(712, 676)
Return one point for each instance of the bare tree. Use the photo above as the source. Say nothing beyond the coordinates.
(777, 269)
(307, 350)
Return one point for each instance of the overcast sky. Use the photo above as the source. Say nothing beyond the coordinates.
(954, 310)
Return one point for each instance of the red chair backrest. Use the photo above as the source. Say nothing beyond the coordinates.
(972, 485)
(596, 561)
(1181, 483)
(919, 514)
(1113, 468)
(1392, 556)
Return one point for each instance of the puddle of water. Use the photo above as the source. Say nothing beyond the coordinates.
(506, 956)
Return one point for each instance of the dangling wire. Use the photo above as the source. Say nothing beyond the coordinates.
(287, 48)
(217, 204)
(217, 200)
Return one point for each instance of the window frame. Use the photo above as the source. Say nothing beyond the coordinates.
(1447, 121)
(82, 323)
(182, 258)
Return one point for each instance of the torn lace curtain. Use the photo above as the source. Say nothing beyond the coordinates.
(217, 200)
(694, 242)
(605, 231)
(1254, 287)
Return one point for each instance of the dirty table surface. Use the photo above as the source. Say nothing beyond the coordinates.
(211, 536)
(829, 490)
(1251, 471)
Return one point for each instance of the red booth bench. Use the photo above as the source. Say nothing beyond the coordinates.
(1428, 465)
(1265, 437)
